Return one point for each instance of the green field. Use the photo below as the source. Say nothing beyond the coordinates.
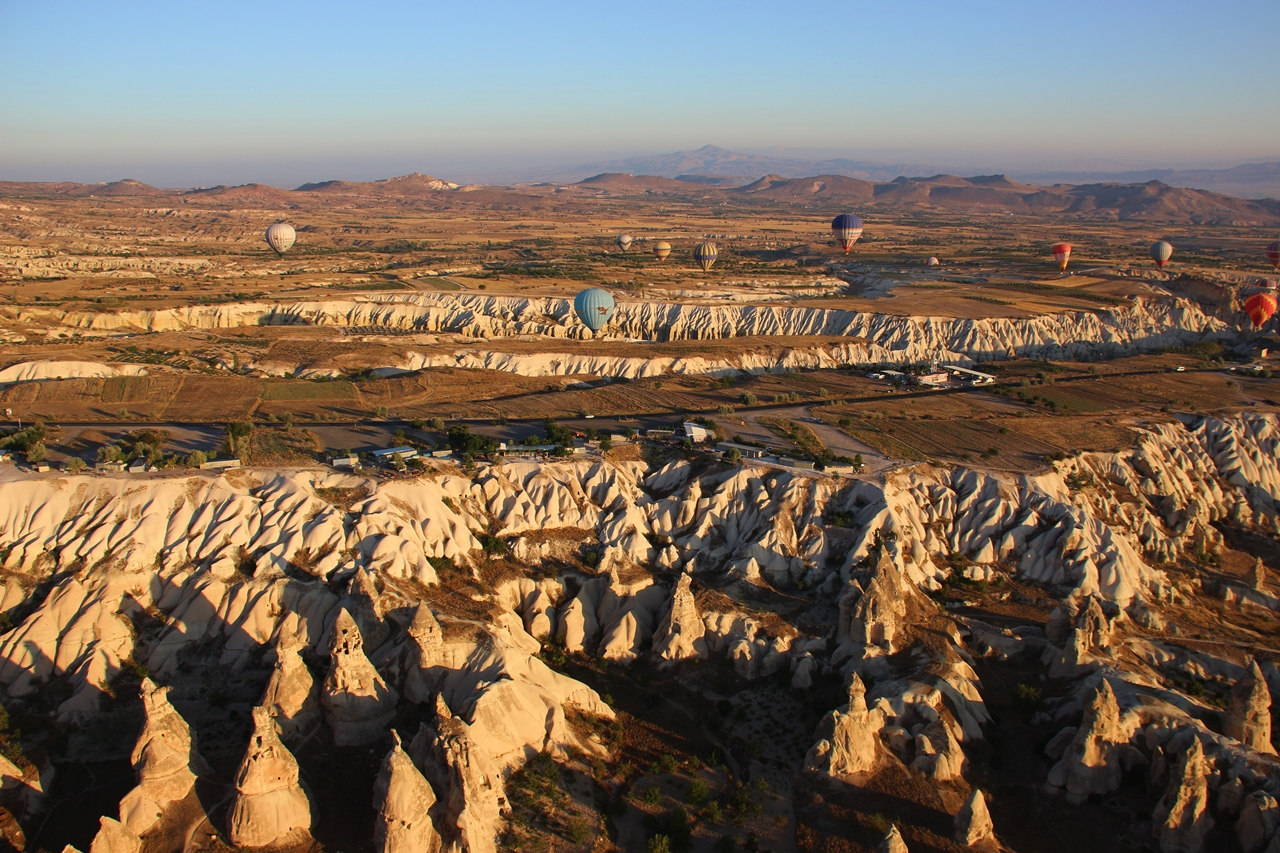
(306, 389)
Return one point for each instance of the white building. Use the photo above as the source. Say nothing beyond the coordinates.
(696, 433)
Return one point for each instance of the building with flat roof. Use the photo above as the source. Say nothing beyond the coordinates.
(696, 433)
(748, 451)
(973, 377)
(405, 453)
(933, 380)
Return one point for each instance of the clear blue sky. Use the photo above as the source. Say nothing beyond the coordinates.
(182, 93)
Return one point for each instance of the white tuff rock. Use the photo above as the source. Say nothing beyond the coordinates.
(165, 759)
(357, 702)
(1248, 720)
(403, 800)
(973, 821)
(270, 808)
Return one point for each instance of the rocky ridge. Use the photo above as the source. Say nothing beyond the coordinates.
(266, 559)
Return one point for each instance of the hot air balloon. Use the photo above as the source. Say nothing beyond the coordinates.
(1161, 252)
(1273, 253)
(705, 254)
(932, 262)
(280, 237)
(1260, 307)
(595, 308)
(624, 241)
(1062, 254)
(847, 228)
(661, 249)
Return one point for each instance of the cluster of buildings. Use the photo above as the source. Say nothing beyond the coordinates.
(935, 377)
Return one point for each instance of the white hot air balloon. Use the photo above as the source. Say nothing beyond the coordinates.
(280, 236)
(624, 242)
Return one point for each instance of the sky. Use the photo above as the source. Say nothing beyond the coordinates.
(197, 94)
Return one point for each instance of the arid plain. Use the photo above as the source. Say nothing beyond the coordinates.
(1028, 608)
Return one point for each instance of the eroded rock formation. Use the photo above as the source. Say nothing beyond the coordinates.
(270, 807)
(973, 822)
(1091, 763)
(165, 759)
(403, 800)
(292, 696)
(1181, 819)
(358, 703)
(849, 743)
(1248, 720)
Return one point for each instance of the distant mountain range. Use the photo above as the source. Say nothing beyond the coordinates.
(1152, 201)
(1254, 180)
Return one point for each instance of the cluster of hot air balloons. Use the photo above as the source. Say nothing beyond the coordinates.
(704, 254)
(1161, 252)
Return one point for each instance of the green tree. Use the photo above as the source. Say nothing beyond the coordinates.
(436, 423)
(196, 459)
(858, 464)
(380, 412)
(36, 453)
(733, 457)
(75, 465)
(748, 399)
(659, 844)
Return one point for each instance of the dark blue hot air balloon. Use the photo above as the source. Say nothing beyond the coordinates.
(705, 255)
(595, 308)
(847, 228)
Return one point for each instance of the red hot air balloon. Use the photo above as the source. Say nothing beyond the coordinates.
(1062, 254)
(1260, 307)
(1273, 253)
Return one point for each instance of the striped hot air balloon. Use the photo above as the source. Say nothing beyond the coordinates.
(661, 250)
(1273, 253)
(1260, 307)
(594, 307)
(1161, 252)
(847, 228)
(705, 254)
(280, 237)
(624, 242)
(1062, 254)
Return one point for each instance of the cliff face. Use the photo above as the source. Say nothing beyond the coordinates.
(1139, 325)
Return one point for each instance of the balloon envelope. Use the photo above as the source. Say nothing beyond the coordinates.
(624, 241)
(847, 228)
(595, 308)
(705, 254)
(932, 262)
(661, 249)
(1161, 252)
(1273, 253)
(1260, 307)
(1062, 254)
(280, 237)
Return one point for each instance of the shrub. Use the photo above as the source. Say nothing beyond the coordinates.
(697, 793)
(652, 796)
(196, 459)
(659, 844)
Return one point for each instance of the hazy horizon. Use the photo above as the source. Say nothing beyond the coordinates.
(289, 93)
